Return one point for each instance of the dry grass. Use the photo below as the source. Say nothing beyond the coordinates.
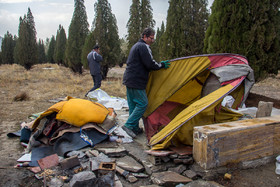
(47, 81)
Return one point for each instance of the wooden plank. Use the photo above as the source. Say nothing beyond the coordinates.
(233, 142)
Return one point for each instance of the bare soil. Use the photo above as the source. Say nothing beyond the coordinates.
(45, 82)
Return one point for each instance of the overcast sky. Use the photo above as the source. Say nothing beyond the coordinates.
(48, 14)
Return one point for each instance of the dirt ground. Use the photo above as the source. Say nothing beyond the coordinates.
(53, 82)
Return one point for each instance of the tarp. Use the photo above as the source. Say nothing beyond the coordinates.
(188, 86)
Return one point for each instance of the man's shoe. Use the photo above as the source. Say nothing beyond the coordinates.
(138, 131)
(129, 131)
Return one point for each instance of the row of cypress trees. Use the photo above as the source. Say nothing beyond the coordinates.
(250, 28)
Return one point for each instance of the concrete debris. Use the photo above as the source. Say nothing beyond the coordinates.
(56, 182)
(165, 159)
(169, 178)
(186, 161)
(159, 152)
(70, 162)
(85, 179)
(129, 164)
(208, 174)
(114, 152)
(148, 166)
(94, 165)
(155, 160)
(190, 174)
(179, 169)
(79, 154)
(122, 172)
(182, 150)
(264, 109)
(202, 183)
(132, 179)
(94, 152)
(139, 175)
(118, 183)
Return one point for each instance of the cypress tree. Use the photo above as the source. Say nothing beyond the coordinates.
(155, 47)
(60, 45)
(106, 34)
(7, 48)
(78, 31)
(250, 28)
(141, 16)
(185, 28)
(26, 45)
(41, 52)
(50, 53)
(146, 15)
(134, 24)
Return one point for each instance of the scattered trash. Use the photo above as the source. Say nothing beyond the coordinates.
(227, 176)
(25, 158)
(22, 165)
(103, 98)
(277, 170)
(228, 101)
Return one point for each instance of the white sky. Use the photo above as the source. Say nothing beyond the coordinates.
(48, 14)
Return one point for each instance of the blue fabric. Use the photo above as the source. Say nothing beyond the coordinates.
(66, 143)
(137, 103)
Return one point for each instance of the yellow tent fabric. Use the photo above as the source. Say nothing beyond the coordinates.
(54, 108)
(180, 129)
(165, 82)
(190, 93)
(76, 112)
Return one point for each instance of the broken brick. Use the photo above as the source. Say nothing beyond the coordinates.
(48, 162)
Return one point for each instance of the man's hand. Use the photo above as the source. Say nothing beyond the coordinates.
(165, 64)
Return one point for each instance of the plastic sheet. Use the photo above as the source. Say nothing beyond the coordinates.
(108, 101)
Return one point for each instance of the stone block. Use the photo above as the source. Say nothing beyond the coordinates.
(264, 109)
(179, 169)
(129, 164)
(84, 178)
(114, 152)
(169, 178)
(235, 142)
(70, 162)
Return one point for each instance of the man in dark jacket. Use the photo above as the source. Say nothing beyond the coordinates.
(94, 58)
(139, 63)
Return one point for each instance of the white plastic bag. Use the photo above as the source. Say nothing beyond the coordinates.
(103, 98)
(228, 101)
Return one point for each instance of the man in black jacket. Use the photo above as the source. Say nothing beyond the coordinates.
(139, 63)
(94, 58)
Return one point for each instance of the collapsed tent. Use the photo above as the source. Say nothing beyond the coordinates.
(190, 93)
(69, 125)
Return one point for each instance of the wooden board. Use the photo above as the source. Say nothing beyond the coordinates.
(233, 142)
